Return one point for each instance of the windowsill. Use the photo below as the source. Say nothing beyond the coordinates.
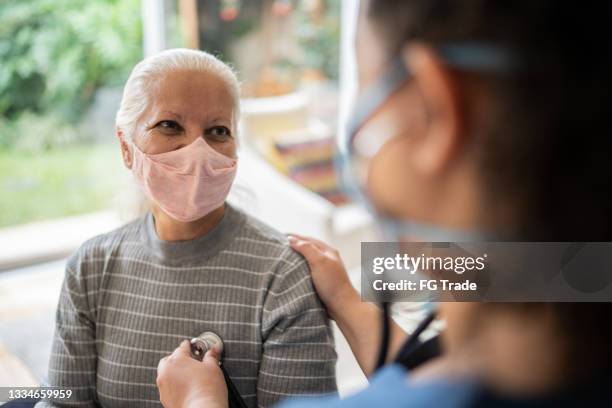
(49, 240)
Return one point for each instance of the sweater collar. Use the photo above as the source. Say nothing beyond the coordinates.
(193, 250)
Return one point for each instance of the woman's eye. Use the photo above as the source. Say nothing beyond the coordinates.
(219, 131)
(168, 125)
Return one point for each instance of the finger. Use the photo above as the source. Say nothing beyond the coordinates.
(212, 356)
(318, 243)
(162, 363)
(322, 246)
(299, 238)
(184, 349)
(218, 349)
(308, 251)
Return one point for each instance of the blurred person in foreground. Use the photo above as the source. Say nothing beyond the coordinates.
(488, 118)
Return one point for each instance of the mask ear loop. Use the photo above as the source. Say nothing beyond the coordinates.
(133, 147)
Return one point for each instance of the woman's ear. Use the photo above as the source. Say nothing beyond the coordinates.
(126, 152)
(444, 127)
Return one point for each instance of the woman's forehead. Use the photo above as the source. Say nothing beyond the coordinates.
(185, 93)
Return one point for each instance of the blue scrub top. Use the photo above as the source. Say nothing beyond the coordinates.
(390, 388)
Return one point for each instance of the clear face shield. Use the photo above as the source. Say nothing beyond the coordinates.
(360, 148)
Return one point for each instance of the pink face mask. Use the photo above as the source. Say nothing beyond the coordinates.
(188, 183)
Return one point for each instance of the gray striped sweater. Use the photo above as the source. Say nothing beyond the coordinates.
(129, 298)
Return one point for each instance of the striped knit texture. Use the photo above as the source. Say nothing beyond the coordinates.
(128, 299)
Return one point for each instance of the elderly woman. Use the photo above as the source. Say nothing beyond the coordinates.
(193, 264)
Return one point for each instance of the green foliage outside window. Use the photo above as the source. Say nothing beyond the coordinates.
(319, 40)
(54, 55)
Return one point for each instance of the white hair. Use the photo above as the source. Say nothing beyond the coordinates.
(148, 71)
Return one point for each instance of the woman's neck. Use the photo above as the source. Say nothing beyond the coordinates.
(169, 229)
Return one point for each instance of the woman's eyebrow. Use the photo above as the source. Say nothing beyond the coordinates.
(218, 119)
(177, 115)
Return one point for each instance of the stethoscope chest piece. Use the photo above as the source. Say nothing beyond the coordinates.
(204, 342)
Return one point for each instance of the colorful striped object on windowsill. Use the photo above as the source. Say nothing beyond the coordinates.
(311, 164)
